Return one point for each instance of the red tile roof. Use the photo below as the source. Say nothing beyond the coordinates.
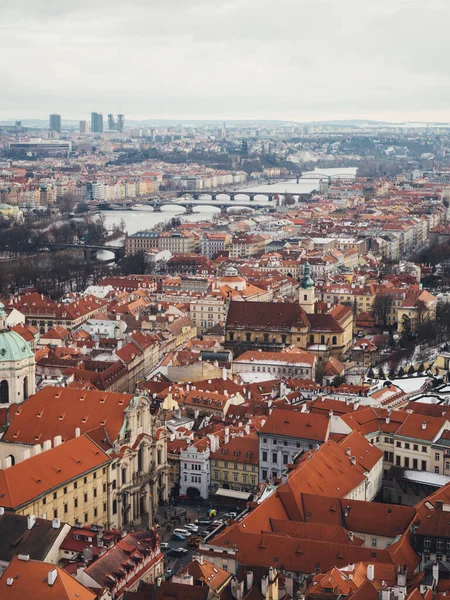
(297, 424)
(37, 475)
(60, 411)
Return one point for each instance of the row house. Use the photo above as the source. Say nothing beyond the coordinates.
(286, 434)
(195, 472)
(234, 466)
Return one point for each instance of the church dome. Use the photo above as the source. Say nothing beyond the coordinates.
(12, 346)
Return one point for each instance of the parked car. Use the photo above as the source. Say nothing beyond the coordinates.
(202, 521)
(181, 550)
(176, 552)
(217, 522)
(191, 527)
(178, 537)
(184, 532)
(164, 546)
(168, 574)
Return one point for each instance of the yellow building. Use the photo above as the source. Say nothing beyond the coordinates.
(417, 307)
(67, 482)
(234, 466)
(11, 212)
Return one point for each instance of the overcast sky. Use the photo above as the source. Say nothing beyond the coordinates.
(226, 59)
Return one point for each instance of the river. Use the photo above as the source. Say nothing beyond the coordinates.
(140, 218)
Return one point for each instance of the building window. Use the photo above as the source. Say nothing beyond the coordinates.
(264, 456)
(114, 507)
(55, 513)
(436, 456)
(374, 542)
(85, 497)
(264, 474)
(427, 543)
(440, 544)
(66, 509)
(75, 503)
(274, 457)
(86, 517)
(424, 465)
(436, 469)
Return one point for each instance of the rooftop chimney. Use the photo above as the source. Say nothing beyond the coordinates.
(350, 536)
(424, 424)
(249, 580)
(52, 575)
(31, 520)
(348, 451)
(370, 572)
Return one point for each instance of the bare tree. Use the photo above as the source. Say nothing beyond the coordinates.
(382, 306)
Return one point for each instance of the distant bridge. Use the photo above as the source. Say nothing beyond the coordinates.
(89, 249)
(232, 196)
(188, 205)
(323, 176)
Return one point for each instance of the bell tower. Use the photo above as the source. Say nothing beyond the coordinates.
(306, 293)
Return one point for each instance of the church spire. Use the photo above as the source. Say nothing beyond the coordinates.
(307, 281)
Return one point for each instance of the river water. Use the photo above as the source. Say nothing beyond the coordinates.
(140, 218)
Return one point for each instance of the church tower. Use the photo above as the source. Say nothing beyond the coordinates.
(306, 293)
(17, 365)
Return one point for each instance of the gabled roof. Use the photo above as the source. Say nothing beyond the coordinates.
(50, 469)
(208, 574)
(60, 411)
(114, 560)
(30, 579)
(290, 423)
(16, 538)
(267, 316)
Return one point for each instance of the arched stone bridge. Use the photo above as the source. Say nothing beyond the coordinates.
(89, 250)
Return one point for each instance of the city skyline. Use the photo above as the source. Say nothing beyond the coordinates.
(303, 61)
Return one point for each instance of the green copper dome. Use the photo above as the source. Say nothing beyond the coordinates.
(12, 346)
(307, 281)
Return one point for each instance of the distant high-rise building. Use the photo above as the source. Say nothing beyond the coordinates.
(96, 122)
(55, 123)
(84, 127)
(114, 125)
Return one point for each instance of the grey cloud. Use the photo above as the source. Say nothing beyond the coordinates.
(290, 59)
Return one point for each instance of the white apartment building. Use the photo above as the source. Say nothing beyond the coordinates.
(195, 475)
